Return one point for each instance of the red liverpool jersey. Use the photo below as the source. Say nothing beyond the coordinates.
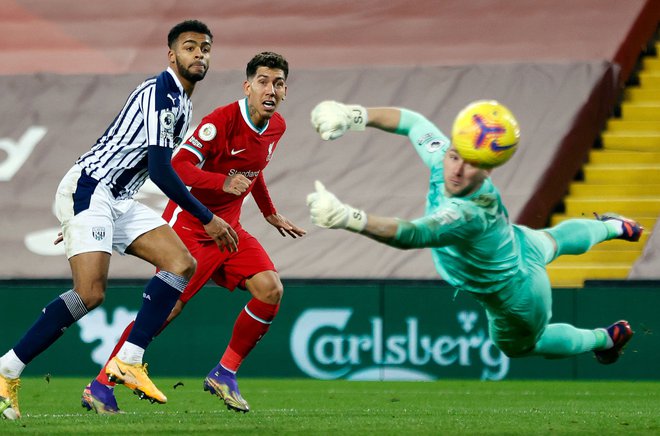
(227, 143)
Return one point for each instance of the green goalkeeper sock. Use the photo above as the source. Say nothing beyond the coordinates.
(577, 236)
(564, 340)
(603, 340)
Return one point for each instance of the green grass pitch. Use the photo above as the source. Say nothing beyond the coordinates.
(313, 407)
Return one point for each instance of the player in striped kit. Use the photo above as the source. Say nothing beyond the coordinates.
(95, 205)
(223, 162)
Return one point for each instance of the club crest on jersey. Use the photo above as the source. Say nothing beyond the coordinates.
(167, 120)
(207, 132)
(270, 152)
(98, 233)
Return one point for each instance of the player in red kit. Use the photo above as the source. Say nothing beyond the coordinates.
(222, 162)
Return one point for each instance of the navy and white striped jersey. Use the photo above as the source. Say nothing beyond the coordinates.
(158, 112)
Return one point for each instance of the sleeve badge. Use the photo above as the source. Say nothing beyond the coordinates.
(207, 132)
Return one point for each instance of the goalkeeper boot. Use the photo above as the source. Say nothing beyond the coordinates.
(620, 333)
(9, 397)
(223, 384)
(134, 377)
(632, 231)
(99, 398)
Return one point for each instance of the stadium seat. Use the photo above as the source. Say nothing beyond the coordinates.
(623, 177)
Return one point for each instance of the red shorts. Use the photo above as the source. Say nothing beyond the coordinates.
(229, 270)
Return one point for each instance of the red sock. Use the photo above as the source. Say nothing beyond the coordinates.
(252, 323)
(103, 377)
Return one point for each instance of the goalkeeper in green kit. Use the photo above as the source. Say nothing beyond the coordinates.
(475, 247)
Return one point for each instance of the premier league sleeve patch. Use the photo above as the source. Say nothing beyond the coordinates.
(167, 120)
(207, 132)
(432, 142)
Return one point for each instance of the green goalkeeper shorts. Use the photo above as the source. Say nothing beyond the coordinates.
(519, 313)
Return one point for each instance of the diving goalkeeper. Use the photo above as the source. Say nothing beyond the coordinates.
(475, 248)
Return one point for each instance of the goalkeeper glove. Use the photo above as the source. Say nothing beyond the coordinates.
(328, 212)
(332, 119)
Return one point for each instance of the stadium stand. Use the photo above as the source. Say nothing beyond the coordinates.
(559, 64)
(623, 174)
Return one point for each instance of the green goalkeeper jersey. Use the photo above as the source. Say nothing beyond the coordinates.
(475, 247)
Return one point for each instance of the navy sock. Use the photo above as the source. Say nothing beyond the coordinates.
(55, 318)
(158, 300)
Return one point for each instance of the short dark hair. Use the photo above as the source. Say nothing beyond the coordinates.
(267, 59)
(187, 26)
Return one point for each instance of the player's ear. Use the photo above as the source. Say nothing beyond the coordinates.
(246, 88)
(171, 56)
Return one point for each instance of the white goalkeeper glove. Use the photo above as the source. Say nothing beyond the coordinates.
(328, 212)
(332, 119)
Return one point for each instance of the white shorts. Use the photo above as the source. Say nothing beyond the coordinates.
(93, 220)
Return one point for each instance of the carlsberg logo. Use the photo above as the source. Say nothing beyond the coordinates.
(323, 349)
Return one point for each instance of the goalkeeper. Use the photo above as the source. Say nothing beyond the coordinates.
(475, 248)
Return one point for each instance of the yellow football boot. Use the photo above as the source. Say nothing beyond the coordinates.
(9, 397)
(134, 376)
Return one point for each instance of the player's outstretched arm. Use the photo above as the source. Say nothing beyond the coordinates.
(327, 211)
(384, 118)
(332, 119)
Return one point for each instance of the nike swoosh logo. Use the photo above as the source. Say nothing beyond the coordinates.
(235, 152)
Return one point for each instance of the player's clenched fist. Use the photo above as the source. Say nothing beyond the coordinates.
(332, 119)
(236, 184)
(327, 211)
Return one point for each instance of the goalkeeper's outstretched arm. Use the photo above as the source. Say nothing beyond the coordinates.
(384, 118)
(332, 119)
(399, 233)
(327, 211)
